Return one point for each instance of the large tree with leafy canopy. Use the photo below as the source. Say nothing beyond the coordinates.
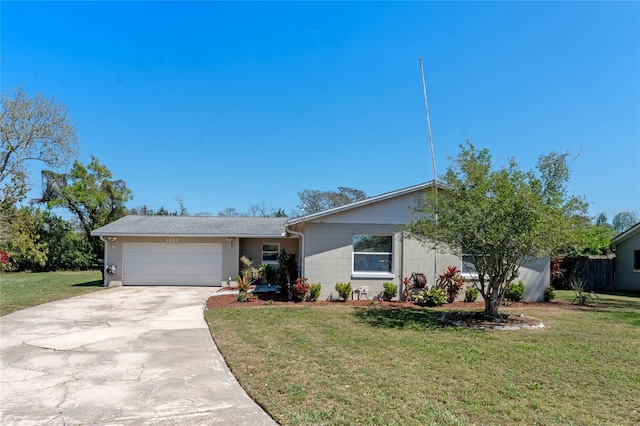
(499, 218)
(624, 220)
(314, 201)
(90, 194)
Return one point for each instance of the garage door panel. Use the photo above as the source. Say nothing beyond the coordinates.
(170, 270)
(177, 280)
(172, 264)
(159, 261)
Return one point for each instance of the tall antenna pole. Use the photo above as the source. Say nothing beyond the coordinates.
(426, 108)
(433, 163)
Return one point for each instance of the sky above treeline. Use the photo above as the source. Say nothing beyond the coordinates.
(226, 105)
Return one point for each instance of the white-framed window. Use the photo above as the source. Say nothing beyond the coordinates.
(636, 260)
(270, 253)
(372, 255)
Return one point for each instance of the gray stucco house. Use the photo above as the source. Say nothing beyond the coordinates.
(361, 242)
(627, 267)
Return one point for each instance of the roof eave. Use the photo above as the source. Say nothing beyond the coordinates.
(626, 234)
(230, 235)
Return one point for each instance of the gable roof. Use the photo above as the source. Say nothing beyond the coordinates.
(192, 226)
(365, 202)
(626, 234)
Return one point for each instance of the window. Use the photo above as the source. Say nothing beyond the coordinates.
(468, 269)
(423, 208)
(373, 254)
(636, 260)
(270, 252)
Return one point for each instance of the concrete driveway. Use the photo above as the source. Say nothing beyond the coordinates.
(120, 356)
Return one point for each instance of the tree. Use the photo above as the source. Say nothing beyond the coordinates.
(32, 129)
(262, 210)
(258, 210)
(499, 219)
(90, 194)
(601, 220)
(43, 241)
(624, 220)
(229, 212)
(590, 240)
(26, 248)
(314, 201)
(164, 212)
(278, 213)
(183, 209)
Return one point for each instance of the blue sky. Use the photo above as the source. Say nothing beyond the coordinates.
(234, 104)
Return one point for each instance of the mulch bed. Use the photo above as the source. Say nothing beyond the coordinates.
(459, 314)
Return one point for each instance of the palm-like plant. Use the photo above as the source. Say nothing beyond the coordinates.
(248, 276)
(451, 282)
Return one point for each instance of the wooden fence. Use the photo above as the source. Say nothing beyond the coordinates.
(595, 271)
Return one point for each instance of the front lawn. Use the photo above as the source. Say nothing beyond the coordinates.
(23, 290)
(363, 365)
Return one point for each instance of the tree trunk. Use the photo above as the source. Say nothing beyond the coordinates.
(491, 304)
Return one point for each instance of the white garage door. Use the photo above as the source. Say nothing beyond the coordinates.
(172, 264)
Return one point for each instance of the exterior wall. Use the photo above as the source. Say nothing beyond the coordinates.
(329, 254)
(114, 254)
(536, 276)
(398, 210)
(626, 278)
(329, 257)
(417, 257)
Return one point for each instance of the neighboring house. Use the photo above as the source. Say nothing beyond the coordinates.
(362, 242)
(627, 262)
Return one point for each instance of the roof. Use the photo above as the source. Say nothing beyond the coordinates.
(626, 234)
(366, 201)
(201, 226)
(225, 226)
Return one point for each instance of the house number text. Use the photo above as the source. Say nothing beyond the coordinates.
(172, 240)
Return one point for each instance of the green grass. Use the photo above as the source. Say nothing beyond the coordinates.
(23, 290)
(340, 365)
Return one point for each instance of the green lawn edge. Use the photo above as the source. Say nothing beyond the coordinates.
(20, 290)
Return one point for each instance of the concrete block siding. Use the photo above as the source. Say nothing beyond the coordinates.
(329, 260)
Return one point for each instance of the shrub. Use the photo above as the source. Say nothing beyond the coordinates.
(390, 291)
(471, 294)
(344, 290)
(451, 282)
(267, 273)
(314, 292)
(515, 292)
(408, 289)
(431, 297)
(549, 294)
(580, 292)
(300, 290)
(246, 297)
(287, 272)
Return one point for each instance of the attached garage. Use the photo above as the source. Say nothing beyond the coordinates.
(172, 264)
(145, 250)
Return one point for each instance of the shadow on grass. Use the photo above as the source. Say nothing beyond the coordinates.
(633, 294)
(96, 283)
(399, 318)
